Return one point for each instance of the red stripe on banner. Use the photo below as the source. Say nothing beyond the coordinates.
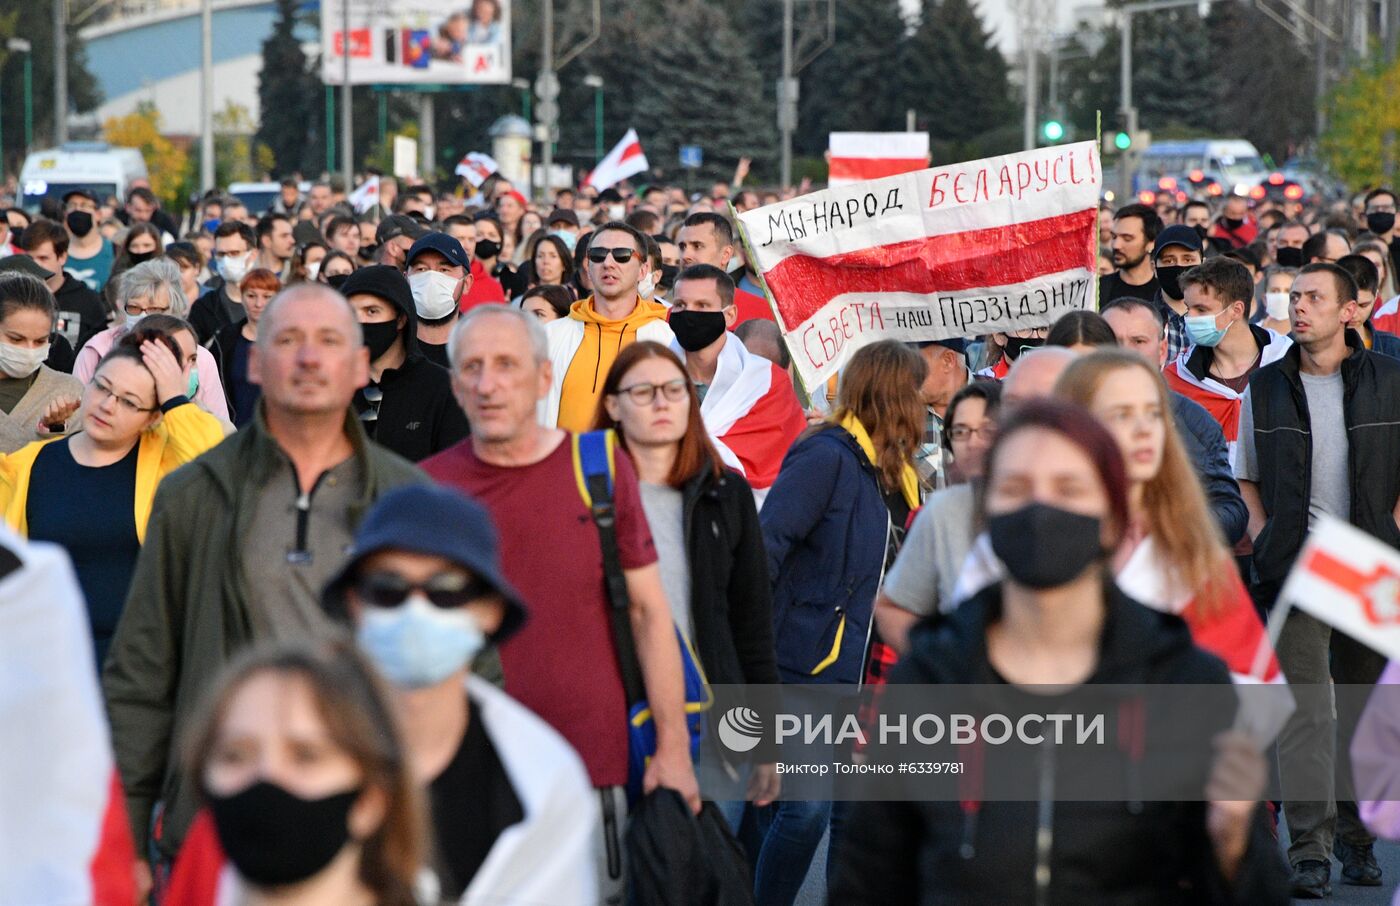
(996, 256)
(631, 151)
(857, 168)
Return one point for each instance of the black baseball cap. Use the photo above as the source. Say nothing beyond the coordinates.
(21, 263)
(957, 344)
(444, 245)
(396, 225)
(82, 193)
(1177, 234)
(562, 215)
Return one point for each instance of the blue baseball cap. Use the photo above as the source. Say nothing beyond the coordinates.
(444, 245)
(430, 519)
(1176, 234)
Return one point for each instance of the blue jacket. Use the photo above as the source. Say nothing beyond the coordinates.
(1205, 444)
(1385, 343)
(825, 525)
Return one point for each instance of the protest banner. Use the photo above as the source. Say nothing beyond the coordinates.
(1350, 581)
(416, 42)
(987, 246)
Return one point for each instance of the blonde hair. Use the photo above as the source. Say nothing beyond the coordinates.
(880, 387)
(1172, 501)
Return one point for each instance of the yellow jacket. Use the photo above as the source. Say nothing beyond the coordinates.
(185, 432)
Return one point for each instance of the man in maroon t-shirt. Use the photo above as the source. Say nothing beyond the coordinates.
(563, 663)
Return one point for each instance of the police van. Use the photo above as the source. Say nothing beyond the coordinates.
(103, 169)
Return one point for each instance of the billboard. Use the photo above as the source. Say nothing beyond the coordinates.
(416, 42)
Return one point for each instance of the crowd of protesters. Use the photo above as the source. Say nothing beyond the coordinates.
(381, 521)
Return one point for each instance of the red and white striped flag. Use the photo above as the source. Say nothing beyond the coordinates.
(365, 196)
(986, 246)
(624, 160)
(858, 156)
(1351, 581)
(62, 815)
(476, 168)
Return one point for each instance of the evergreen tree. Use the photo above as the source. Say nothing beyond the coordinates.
(33, 21)
(1266, 83)
(704, 90)
(858, 84)
(286, 93)
(957, 78)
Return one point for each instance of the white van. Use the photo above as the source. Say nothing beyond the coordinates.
(1234, 164)
(101, 168)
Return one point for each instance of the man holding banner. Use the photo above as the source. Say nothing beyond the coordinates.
(1319, 438)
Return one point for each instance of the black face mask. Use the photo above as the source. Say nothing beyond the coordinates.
(275, 838)
(1287, 256)
(695, 330)
(487, 249)
(669, 272)
(1169, 278)
(367, 252)
(1232, 223)
(379, 337)
(337, 281)
(1380, 222)
(1201, 231)
(140, 257)
(80, 222)
(1017, 345)
(1044, 546)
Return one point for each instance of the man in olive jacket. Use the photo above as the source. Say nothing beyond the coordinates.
(240, 542)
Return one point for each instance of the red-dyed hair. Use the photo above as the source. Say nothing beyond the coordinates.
(1076, 425)
(696, 454)
(261, 278)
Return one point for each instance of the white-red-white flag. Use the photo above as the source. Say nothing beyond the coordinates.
(62, 813)
(476, 168)
(858, 156)
(365, 196)
(1351, 581)
(987, 246)
(624, 160)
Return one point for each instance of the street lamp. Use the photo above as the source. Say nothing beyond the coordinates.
(596, 83)
(20, 45)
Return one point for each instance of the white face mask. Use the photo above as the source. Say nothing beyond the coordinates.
(617, 211)
(17, 362)
(433, 294)
(312, 270)
(1276, 304)
(646, 287)
(233, 270)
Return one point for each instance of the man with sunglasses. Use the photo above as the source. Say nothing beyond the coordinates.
(511, 804)
(583, 346)
(407, 406)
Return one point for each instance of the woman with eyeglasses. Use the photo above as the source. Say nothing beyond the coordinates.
(154, 288)
(706, 528)
(91, 491)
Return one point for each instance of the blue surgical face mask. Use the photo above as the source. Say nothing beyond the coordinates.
(211, 225)
(416, 644)
(569, 238)
(1203, 330)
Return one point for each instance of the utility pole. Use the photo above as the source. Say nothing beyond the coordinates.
(1032, 90)
(427, 136)
(1127, 161)
(547, 84)
(60, 71)
(206, 96)
(347, 135)
(787, 100)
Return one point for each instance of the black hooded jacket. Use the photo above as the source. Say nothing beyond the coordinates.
(418, 416)
(1144, 854)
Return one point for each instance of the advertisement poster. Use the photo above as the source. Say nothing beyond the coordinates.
(416, 42)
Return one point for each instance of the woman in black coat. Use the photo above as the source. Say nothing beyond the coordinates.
(1055, 509)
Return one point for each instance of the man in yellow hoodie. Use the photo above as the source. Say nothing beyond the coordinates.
(583, 346)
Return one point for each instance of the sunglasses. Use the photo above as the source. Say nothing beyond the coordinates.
(445, 590)
(598, 254)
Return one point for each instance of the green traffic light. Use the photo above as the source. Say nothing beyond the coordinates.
(1122, 141)
(1053, 130)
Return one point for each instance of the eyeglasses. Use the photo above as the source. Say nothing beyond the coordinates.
(642, 394)
(598, 254)
(374, 396)
(104, 391)
(138, 310)
(987, 432)
(445, 590)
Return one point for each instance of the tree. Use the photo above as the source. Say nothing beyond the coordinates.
(286, 92)
(705, 91)
(168, 164)
(33, 21)
(1265, 80)
(1362, 110)
(859, 83)
(957, 79)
